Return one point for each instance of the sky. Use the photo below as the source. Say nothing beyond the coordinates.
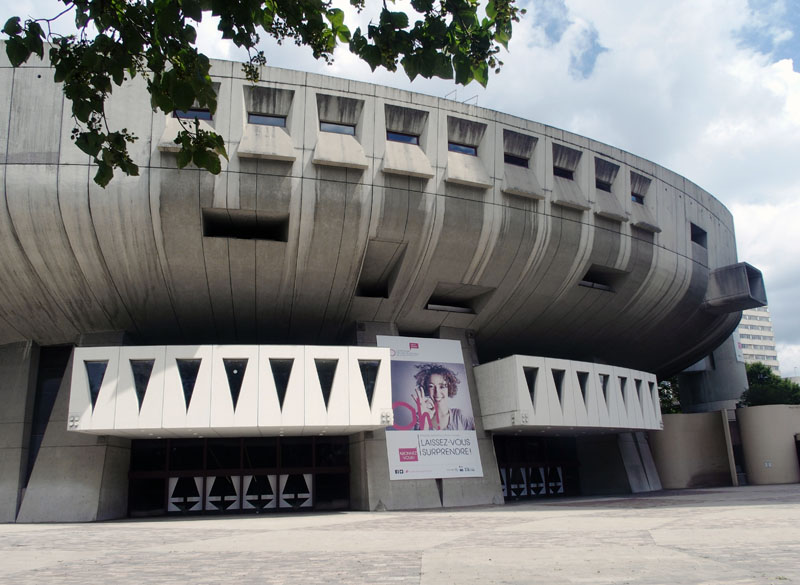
(707, 88)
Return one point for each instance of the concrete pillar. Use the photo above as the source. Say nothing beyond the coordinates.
(638, 462)
(714, 384)
(18, 362)
(371, 488)
(471, 491)
(768, 443)
(76, 477)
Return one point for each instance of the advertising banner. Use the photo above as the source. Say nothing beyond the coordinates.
(434, 428)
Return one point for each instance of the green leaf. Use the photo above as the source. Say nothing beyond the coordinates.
(89, 142)
(481, 73)
(184, 157)
(104, 174)
(17, 51)
(183, 94)
(12, 26)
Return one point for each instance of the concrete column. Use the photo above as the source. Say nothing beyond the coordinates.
(18, 362)
(714, 384)
(471, 491)
(76, 477)
(371, 488)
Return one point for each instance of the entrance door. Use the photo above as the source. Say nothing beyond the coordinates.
(533, 467)
(238, 475)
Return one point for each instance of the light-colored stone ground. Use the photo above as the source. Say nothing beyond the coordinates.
(730, 536)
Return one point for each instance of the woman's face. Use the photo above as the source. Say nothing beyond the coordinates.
(437, 388)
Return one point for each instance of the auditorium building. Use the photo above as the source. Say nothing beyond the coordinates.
(184, 343)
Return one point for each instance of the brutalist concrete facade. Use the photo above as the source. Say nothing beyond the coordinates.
(357, 210)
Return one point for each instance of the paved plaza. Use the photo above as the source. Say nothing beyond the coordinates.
(725, 535)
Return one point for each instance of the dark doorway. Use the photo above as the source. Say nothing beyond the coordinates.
(535, 467)
(238, 475)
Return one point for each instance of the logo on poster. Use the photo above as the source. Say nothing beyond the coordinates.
(408, 454)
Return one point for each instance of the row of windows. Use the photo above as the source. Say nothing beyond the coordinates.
(350, 129)
(751, 346)
(755, 327)
(763, 337)
(754, 317)
(763, 357)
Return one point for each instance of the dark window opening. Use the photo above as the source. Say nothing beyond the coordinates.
(336, 128)
(699, 235)
(636, 198)
(622, 383)
(517, 161)
(604, 387)
(192, 113)
(530, 380)
(462, 148)
(379, 271)
(597, 280)
(369, 375)
(558, 379)
(281, 372)
(458, 298)
(564, 173)
(245, 225)
(402, 137)
(583, 379)
(326, 372)
(187, 370)
(95, 372)
(141, 370)
(602, 185)
(266, 120)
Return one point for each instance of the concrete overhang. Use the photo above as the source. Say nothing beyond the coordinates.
(735, 287)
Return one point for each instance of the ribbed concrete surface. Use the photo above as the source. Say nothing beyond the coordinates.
(724, 536)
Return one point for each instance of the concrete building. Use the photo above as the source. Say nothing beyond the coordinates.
(757, 338)
(181, 342)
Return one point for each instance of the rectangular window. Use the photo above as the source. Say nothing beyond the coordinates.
(266, 120)
(699, 235)
(192, 113)
(402, 137)
(244, 225)
(518, 161)
(564, 173)
(636, 198)
(462, 148)
(602, 185)
(348, 129)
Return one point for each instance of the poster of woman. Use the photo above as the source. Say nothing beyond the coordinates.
(433, 435)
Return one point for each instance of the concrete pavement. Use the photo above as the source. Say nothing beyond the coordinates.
(729, 535)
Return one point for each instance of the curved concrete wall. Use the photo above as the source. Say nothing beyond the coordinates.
(691, 452)
(768, 442)
(367, 229)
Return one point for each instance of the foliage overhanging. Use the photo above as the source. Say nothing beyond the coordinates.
(118, 40)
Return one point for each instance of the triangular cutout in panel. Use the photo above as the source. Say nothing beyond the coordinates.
(530, 379)
(622, 383)
(583, 380)
(95, 372)
(234, 369)
(604, 387)
(326, 371)
(187, 369)
(369, 375)
(558, 378)
(656, 398)
(142, 370)
(281, 372)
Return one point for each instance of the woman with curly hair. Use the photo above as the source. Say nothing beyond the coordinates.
(436, 384)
